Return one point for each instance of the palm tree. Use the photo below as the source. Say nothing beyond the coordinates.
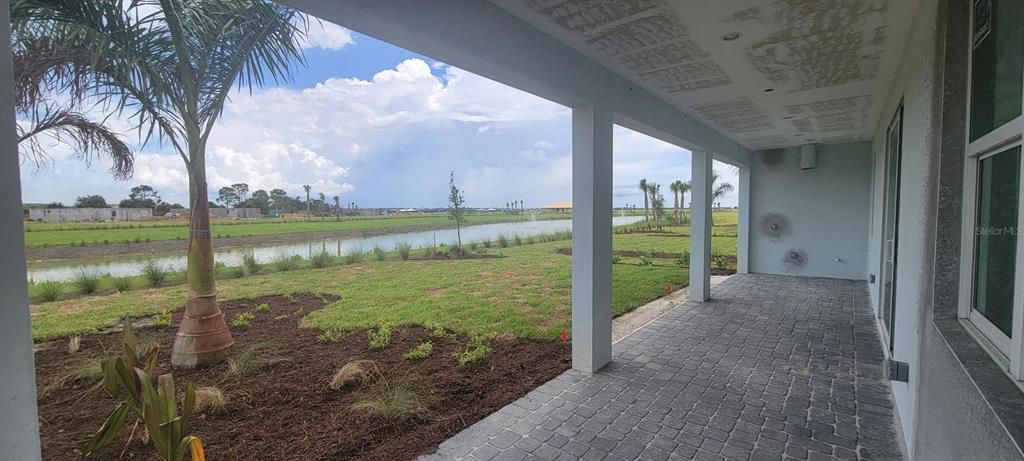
(684, 187)
(337, 206)
(42, 68)
(307, 187)
(674, 187)
(645, 191)
(718, 191)
(173, 70)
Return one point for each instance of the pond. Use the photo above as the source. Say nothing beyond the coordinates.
(65, 270)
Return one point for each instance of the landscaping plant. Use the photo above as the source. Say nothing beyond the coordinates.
(378, 253)
(122, 284)
(321, 260)
(243, 320)
(154, 273)
(475, 350)
(456, 209)
(355, 374)
(250, 264)
(354, 256)
(403, 250)
(420, 352)
(49, 290)
(720, 262)
(392, 403)
(284, 263)
(250, 360)
(174, 70)
(86, 281)
(380, 337)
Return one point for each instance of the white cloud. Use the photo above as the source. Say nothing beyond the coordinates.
(326, 35)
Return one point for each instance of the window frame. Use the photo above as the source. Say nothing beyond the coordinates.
(1008, 351)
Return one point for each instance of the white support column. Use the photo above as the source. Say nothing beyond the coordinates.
(700, 227)
(19, 422)
(743, 229)
(591, 238)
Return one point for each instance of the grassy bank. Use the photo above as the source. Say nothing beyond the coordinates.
(522, 290)
(53, 234)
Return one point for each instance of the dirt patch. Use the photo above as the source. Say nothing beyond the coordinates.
(286, 411)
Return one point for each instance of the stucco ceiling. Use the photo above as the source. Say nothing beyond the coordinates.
(801, 71)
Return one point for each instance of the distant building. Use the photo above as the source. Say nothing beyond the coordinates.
(558, 206)
(235, 213)
(89, 214)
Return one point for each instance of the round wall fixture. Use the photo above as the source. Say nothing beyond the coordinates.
(795, 259)
(774, 226)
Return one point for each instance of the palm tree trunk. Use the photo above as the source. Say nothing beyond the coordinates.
(203, 337)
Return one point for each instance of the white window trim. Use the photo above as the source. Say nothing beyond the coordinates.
(1006, 350)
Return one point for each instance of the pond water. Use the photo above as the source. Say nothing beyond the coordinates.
(65, 270)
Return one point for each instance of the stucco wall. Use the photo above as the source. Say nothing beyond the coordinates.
(958, 424)
(918, 86)
(89, 214)
(825, 212)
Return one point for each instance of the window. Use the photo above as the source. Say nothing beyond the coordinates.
(992, 271)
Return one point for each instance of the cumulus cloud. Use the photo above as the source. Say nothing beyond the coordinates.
(388, 140)
(326, 35)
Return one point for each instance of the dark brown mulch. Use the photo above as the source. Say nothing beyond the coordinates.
(286, 411)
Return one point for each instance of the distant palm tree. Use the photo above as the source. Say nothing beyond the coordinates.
(307, 187)
(323, 202)
(674, 187)
(337, 206)
(644, 190)
(718, 191)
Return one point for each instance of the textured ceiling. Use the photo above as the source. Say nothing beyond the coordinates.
(826, 64)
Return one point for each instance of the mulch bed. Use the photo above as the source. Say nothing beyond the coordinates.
(286, 411)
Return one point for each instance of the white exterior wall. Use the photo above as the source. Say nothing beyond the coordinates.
(918, 85)
(826, 210)
(89, 214)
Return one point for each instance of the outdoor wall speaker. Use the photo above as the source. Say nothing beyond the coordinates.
(808, 156)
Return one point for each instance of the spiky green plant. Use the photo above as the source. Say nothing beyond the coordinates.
(403, 250)
(321, 260)
(154, 273)
(250, 264)
(378, 253)
(49, 290)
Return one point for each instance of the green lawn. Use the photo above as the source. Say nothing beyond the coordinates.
(52, 234)
(526, 293)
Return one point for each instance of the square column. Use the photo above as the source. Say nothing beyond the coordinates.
(19, 423)
(743, 227)
(700, 227)
(591, 238)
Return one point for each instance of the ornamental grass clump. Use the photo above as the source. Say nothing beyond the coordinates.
(354, 374)
(403, 250)
(321, 260)
(392, 403)
(154, 273)
(49, 290)
(250, 264)
(378, 253)
(86, 281)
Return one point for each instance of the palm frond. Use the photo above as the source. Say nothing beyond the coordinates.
(89, 140)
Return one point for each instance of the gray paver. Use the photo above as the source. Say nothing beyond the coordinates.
(772, 367)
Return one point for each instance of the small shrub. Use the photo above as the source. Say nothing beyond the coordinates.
(646, 260)
(284, 263)
(473, 246)
(86, 281)
(518, 240)
(49, 290)
(378, 253)
(487, 243)
(354, 256)
(250, 264)
(380, 337)
(331, 335)
(720, 262)
(263, 307)
(155, 273)
(616, 259)
(250, 360)
(476, 350)
(530, 240)
(502, 241)
(122, 284)
(403, 250)
(354, 374)
(243, 320)
(210, 399)
(420, 352)
(393, 404)
(321, 260)
(684, 260)
(162, 320)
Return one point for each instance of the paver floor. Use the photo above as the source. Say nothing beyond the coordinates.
(772, 368)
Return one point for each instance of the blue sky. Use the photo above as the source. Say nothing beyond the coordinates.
(380, 126)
